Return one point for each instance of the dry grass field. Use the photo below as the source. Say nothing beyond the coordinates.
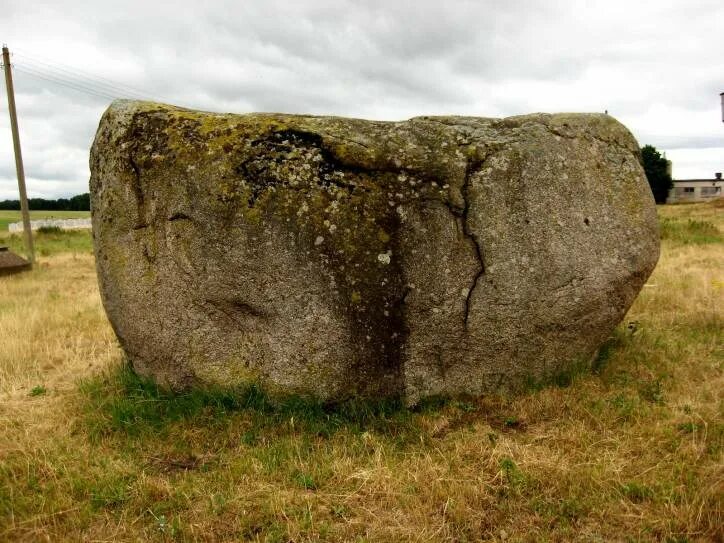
(632, 451)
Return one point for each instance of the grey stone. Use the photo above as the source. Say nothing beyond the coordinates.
(11, 263)
(341, 257)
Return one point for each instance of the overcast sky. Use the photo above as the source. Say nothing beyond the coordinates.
(657, 66)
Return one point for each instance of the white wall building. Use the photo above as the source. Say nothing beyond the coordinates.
(696, 190)
(63, 224)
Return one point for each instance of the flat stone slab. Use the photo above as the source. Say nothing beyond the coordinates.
(11, 263)
(341, 257)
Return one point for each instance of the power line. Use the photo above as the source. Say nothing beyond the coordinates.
(80, 76)
(64, 83)
(77, 72)
(64, 80)
(79, 80)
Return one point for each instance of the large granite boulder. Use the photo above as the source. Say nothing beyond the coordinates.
(340, 257)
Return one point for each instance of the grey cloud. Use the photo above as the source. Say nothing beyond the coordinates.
(387, 60)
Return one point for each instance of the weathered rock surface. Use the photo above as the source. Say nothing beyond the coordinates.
(338, 257)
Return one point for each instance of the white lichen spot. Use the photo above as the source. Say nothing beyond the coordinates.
(385, 258)
(464, 292)
(319, 240)
(499, 162)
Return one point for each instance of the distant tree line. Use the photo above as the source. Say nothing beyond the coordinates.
(80, 202)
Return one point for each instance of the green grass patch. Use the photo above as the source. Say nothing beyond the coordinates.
(637, 492)
(515, 479)
(561, 378)
(109, 492)
(304, 480)
(49, 230)
(122, 401)
(37, 390)
(691, 231)
(51, 240)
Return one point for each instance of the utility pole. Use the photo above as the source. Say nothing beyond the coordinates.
(18, 156)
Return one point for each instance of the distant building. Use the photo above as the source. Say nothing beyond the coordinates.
(696, 190)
